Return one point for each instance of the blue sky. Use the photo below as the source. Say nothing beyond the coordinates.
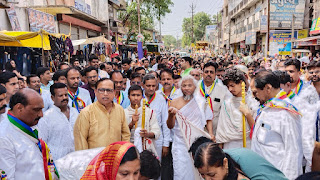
(172, 23)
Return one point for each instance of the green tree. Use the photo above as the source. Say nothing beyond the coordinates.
(200, 21)
(215, 19)
(169, 40)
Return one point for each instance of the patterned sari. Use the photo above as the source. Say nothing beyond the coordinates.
(106, 164)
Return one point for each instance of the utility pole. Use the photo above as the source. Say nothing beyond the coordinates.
(268, 30)
(193, 7)
(292, 33)
(138, 9)
(159, 15)
(177, 46)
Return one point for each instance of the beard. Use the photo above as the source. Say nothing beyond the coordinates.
(187, 97)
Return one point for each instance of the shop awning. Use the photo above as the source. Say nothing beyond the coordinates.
(91, 41)
(308, 39)
(25, 39)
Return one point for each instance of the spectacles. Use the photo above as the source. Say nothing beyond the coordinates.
(103, 90)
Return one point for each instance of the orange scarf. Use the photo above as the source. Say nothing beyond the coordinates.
(106, 164)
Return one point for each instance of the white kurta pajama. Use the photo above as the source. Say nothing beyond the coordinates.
(305, 101)
(197, 113)
(84, 95)
(20, 156)
(229, 129)
(219, 93)
(57, 131)
(159, 105)
(47, 101)
(277, 138)
(151, 123)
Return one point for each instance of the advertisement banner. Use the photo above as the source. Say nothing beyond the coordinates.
(210, 29)
(242, 44)
(13, 18)
(264, 24)
(280, 42)
(315, 27)
(251, 38)
(40, 20)
(281, 12)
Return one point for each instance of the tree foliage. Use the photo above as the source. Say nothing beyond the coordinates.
(169, 40)
(200, 21)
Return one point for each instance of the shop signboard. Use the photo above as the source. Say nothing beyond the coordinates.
(280, 42)
(210, 29)
(14, 21)
(315, 27)
(251, 38)
(281, 12)
(264, 24)
(40, 20)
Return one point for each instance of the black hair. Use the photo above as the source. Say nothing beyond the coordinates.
(220, 70)
(89, 69)
(150, 165)
(42, 70)
(148, 77)
(102, 66)
(9, 67)
(294, 62)
(214, 157)
(56, 86)
(310, 176)
(135, 75)
(161, 66)
(126, 61)
(69, 69)
(152, 71)
(283, 76)
(252, 64)
(213, 64)
(130, 155)
(103, 79)
(188, 59)
(29, 77)
(63, 63)
(166, 70)
(195, 145)
(6, 76)
(177, 77)
(18, 97)
(139, 68)
(92, 57)
(235, 75)
(158, 58)
(58, 74)
(2, 89)
(143, 60)
(135, 88)
(266, 77)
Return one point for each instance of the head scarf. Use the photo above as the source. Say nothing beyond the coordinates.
(106, 164)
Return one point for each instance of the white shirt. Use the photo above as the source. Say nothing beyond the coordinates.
(277, 138)
(173, 95)
(84, 95)
(218, 95)
(57, 131)
(20, 156)
(103, 74)
(47, 101)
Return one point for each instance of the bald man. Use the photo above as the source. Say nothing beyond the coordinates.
(20, 155)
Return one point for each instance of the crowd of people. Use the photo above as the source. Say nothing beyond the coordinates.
(162, 117)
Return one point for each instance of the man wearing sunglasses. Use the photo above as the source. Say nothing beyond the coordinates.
(103, 122)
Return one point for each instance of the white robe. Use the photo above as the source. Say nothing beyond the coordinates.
(73, 165)
(277, 138)
(47, 101)
(151, 124)
(57, 131)
(229, 129)
(305, 101)
(159, 105)
(197, 113)
(20, 156)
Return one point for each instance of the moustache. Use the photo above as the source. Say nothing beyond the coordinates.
(37, 119)
(166, 84)
(3, 107)
(65, 100)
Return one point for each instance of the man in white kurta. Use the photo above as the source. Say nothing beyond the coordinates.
(157, 103)
(277, 131)
(197, 113)
(55, 128)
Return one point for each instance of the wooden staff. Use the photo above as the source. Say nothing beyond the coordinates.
(244, 132)
(143, 121)
(136, 112)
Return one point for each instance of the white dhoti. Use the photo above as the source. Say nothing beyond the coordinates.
(189, 125)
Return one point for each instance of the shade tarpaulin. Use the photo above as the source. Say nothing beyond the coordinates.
(25, 39)
(91, 41)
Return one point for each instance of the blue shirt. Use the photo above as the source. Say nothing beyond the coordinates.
(125, 102)
(254, 165)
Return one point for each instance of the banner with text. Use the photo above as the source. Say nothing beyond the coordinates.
(40, 20)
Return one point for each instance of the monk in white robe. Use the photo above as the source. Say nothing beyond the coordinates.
(199, 115)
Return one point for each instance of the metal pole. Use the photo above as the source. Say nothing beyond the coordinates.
(138, 9)
(268, 31)
(292, 33)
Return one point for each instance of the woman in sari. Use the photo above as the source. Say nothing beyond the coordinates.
(120, 160)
